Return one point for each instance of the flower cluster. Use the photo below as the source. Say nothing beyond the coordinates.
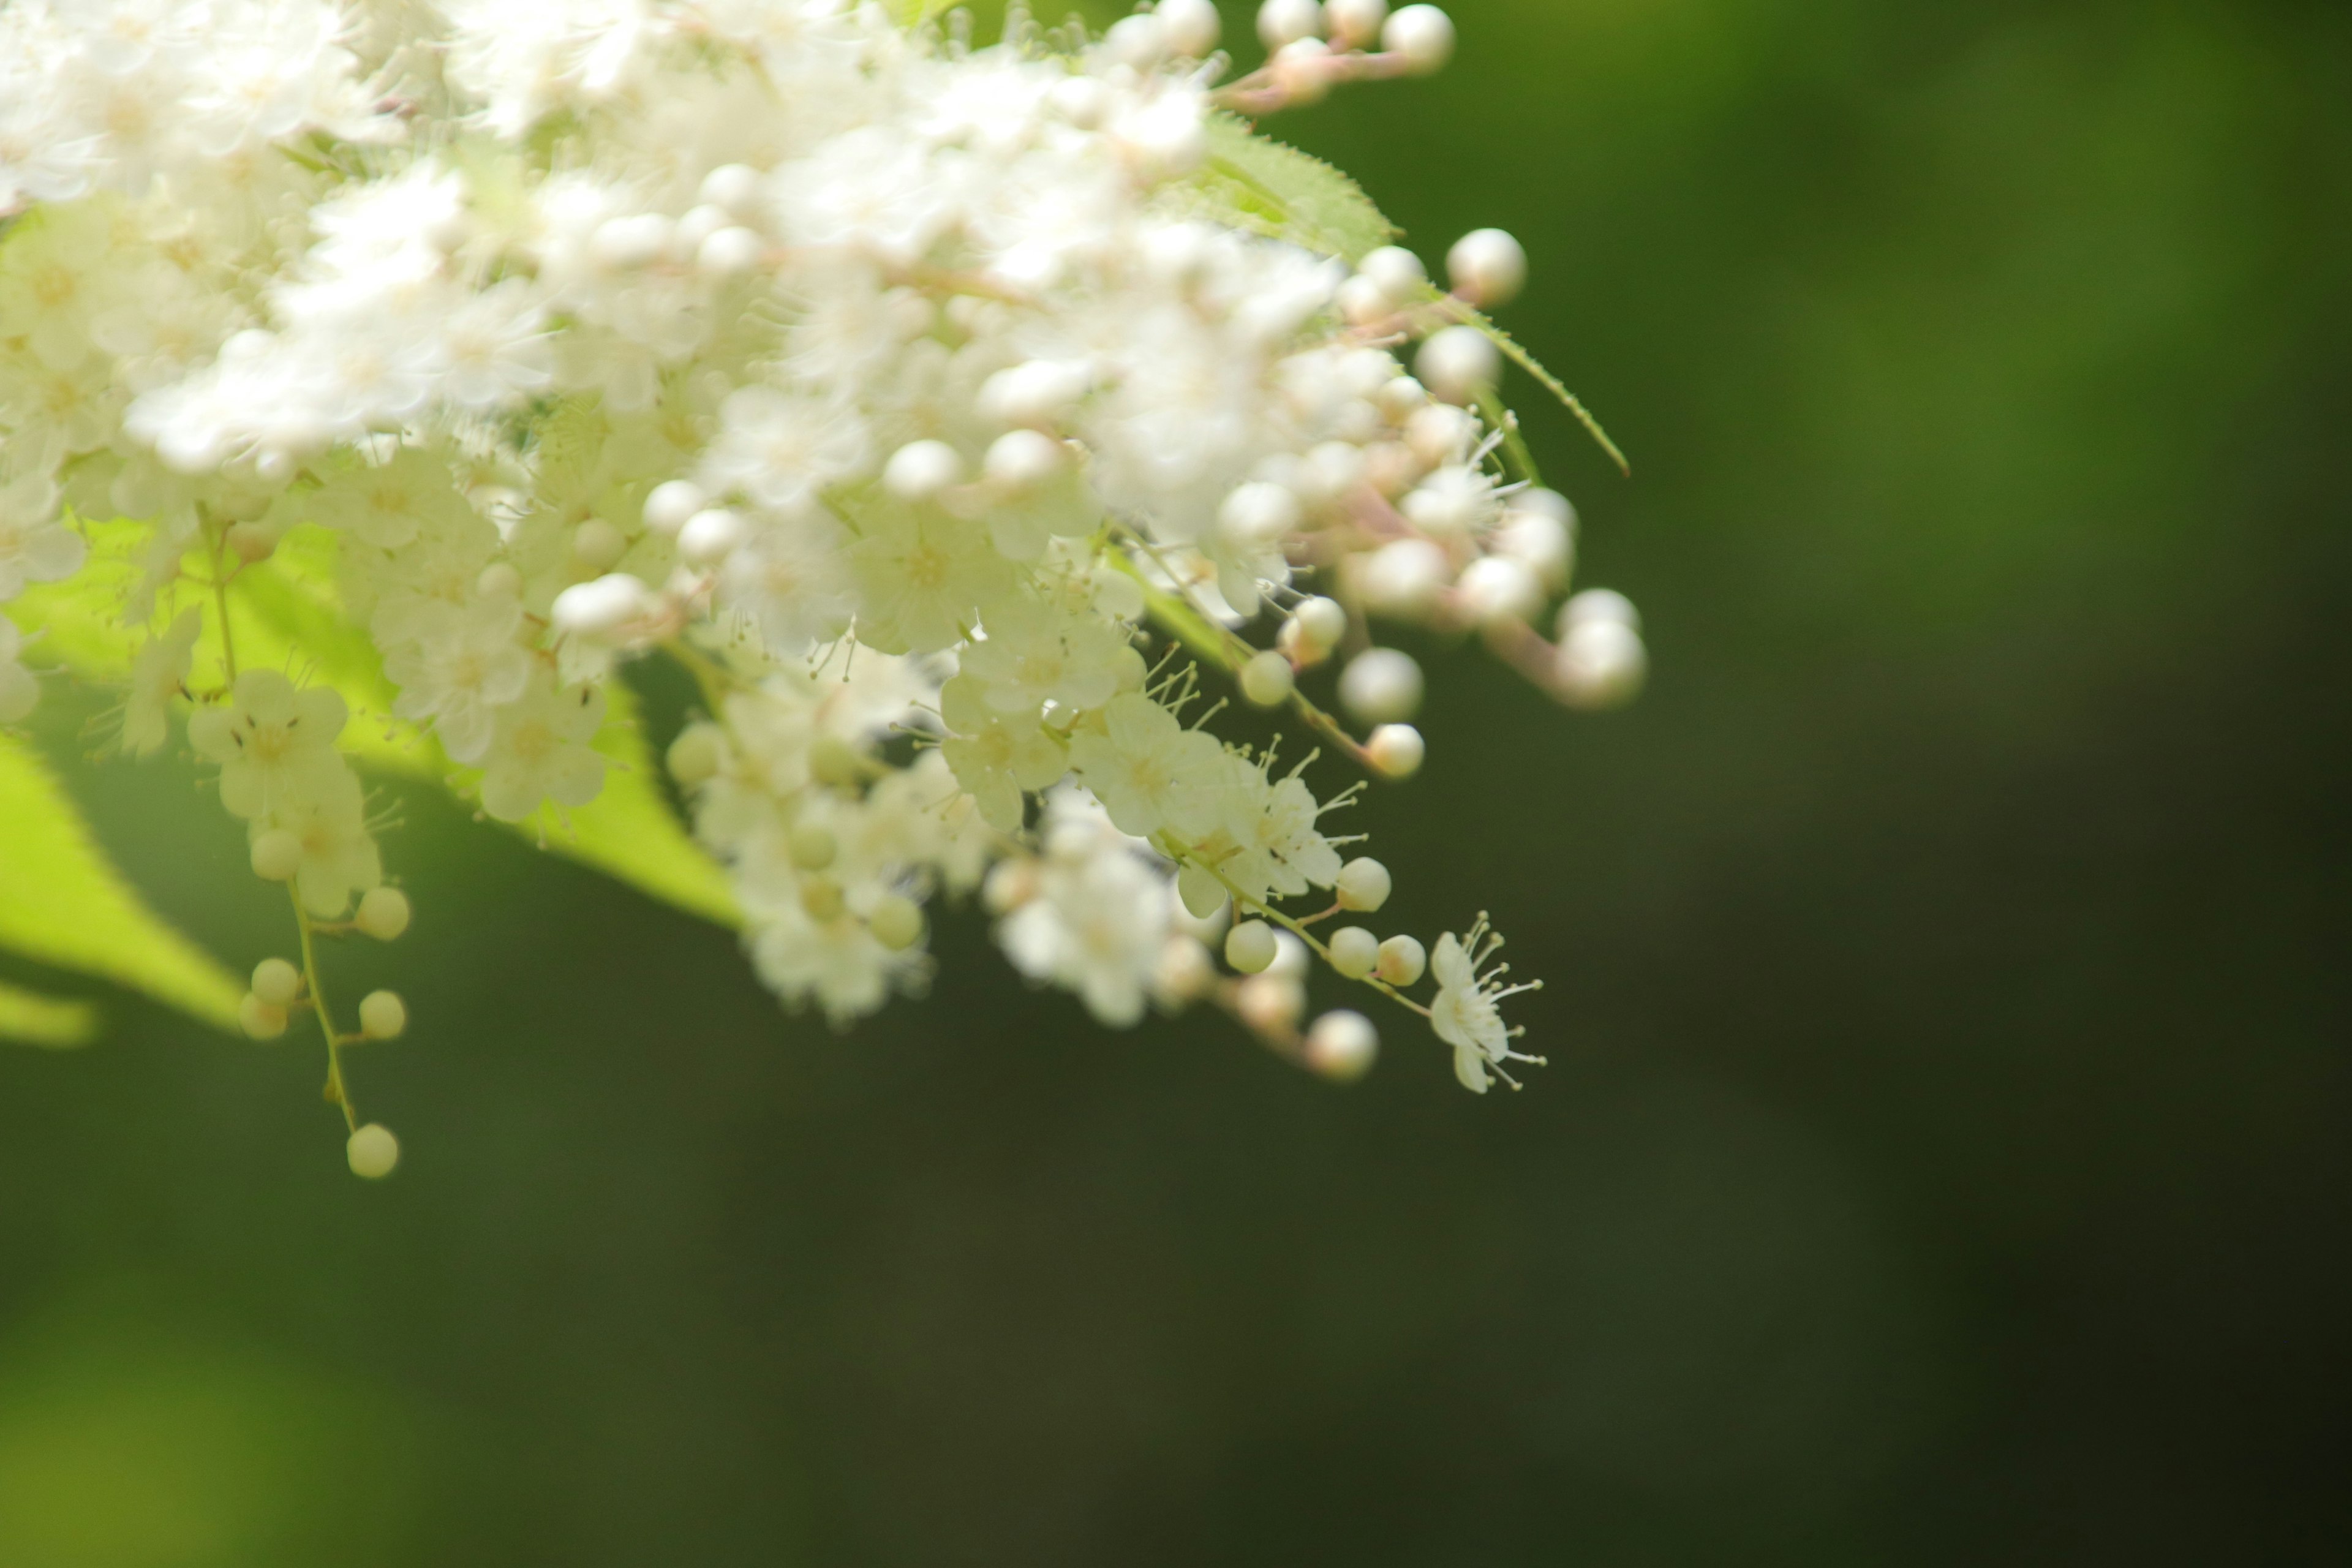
(941, 407)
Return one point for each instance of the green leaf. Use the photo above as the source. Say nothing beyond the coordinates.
(30, 1019)
(63, 903)
(1262, 185)
(1520, 356)
(915, 13)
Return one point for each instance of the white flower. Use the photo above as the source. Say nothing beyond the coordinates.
(924, 578)
(328, 819)
(782, 450)
(495, 347)
(791, 578)
(995, 758)
(835, 962)
(1034, 654)
(275, 744)
(1149, 771)
(34, 546)
(1099, 921)
(460, 668)
(1270, 824)
(1465, 1014)
(385, 503)
(540, 752)
(159, 673)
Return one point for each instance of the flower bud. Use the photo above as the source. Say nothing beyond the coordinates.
(1402, 962)
(1271, 1005)
(373, 1152)
(1380, 686)
(383, 913)
(1440, 432)
(1322, 624)
(1190, 26)
(1035, 394)
(813, 847)
(1023, 460)
(1342, 1046)
(1300, 72)
(696, 755)
(1184, 973)
(1250, 946)
(1543, 542)
(1396, 749)
(1280, 22)
(1498, 588)
(1355, 24)
(276, 982)
(1364, 303)
(821, 897)
(1397, 271)
(1600, 664)
(897, 921)
(382, 1016)
(729, 253)
(1457, 364)
(734, 186)
(711, 536)
(671, 503)
(919, 470)
(1138, 42)
(1364, 884)
(1267, 680)
(1291, 959)
(1599, 605)
(1203, 894)
(1354, 952)
(597, 545)
(1404, 577)
(1488, 267)
(600, 608)
(1423, 35)
(277, 855)
(260, 1020)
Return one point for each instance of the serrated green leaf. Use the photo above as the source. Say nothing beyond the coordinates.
(63, 903)
(1520, 356)
(29, 1018)
(1253, 182)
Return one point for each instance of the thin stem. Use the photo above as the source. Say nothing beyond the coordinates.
(337, 1090)
(220, 600)
(1243, 900)
(1185, 621)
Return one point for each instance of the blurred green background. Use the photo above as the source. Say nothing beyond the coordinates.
(1944, 1156)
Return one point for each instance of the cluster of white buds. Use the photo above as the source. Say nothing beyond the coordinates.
(922, 399)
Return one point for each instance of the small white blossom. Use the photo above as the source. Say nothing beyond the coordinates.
(159, 673)
(540, 752)
(275, 744)
(1467, 1014)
